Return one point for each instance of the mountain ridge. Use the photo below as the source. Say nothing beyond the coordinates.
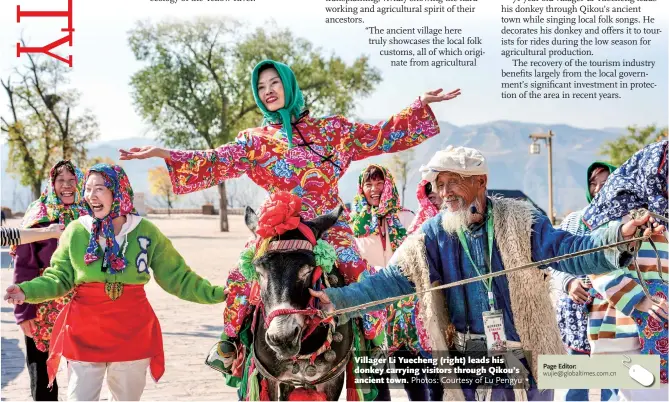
(504, 143)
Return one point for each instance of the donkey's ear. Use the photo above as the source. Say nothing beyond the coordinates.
(251, 219)
(322, 223)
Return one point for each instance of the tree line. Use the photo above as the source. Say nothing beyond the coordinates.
(194, 90)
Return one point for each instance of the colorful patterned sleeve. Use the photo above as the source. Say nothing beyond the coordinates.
(619, 289)
(622, 289)
(192, 171)
(406, 129)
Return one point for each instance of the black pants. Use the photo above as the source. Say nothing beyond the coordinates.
(39, 378)
(430, 389)
(384, 391)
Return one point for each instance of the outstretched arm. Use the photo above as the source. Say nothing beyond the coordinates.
(568, 283)
(55, 282)
(197, 170)
(548, 242)
(406, 129)
(386, 283)
(16, 236)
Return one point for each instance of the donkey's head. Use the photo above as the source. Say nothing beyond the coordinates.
(285, 276)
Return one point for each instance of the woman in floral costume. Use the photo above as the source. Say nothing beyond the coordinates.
(623, 320)
(429, 204)
(378, 220)
(380, 225)
(109, 328)
(299, 153)
(61, 202)
(305, 155)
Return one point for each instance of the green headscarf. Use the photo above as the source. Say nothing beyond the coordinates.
(592, 167)
(294, 102)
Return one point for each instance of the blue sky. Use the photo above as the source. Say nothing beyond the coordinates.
(103, 62)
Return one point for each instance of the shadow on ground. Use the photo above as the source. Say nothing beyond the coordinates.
(11, 356)
(216, 329)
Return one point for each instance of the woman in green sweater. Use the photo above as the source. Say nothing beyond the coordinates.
(109, 326)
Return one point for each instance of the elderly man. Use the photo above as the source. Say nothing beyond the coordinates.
(473, 235)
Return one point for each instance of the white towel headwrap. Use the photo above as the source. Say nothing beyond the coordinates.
(461, 160)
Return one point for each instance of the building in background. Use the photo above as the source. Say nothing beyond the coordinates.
(139, 203)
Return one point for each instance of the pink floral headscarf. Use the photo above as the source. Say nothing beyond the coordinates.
(426, 209)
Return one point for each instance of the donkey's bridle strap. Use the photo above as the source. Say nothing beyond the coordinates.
(288, 245)
(295, 244)
(310, 312)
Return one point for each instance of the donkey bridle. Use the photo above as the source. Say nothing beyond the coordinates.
(318, 316)
(334, 372)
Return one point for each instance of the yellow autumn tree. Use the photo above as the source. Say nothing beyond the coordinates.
(161, 187)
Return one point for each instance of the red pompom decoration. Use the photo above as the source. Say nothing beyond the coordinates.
(303, 394)
(254, 296)
(279, 214)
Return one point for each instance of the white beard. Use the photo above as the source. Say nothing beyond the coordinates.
(452, 221)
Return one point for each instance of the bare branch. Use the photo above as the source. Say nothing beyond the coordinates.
(208, 65)
(44, 97)
(186, 115)
(10, 94)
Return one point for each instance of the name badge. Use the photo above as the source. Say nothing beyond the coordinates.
(493, 324)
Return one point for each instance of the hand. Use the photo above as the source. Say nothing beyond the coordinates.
(577, 291)
(654, 310)
(14, 295)
(143, 153)
(326, 304)
(28, 327)
(629, 229)
(55, 229)
(436, 96)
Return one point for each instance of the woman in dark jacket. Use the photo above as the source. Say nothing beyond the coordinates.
(60, 203)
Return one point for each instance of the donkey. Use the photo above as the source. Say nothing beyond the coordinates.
(280, 349)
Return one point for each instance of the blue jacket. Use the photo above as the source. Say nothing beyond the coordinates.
(447, 259)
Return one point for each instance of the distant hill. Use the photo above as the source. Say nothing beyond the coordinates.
(504, 143)
(506, 146)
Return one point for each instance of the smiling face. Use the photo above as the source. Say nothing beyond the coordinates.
(597, 180)
(270, 89)
(435, 199)
(65, 185)
(372, 190)
(459, 192)
(373, 181)
(98, 196)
